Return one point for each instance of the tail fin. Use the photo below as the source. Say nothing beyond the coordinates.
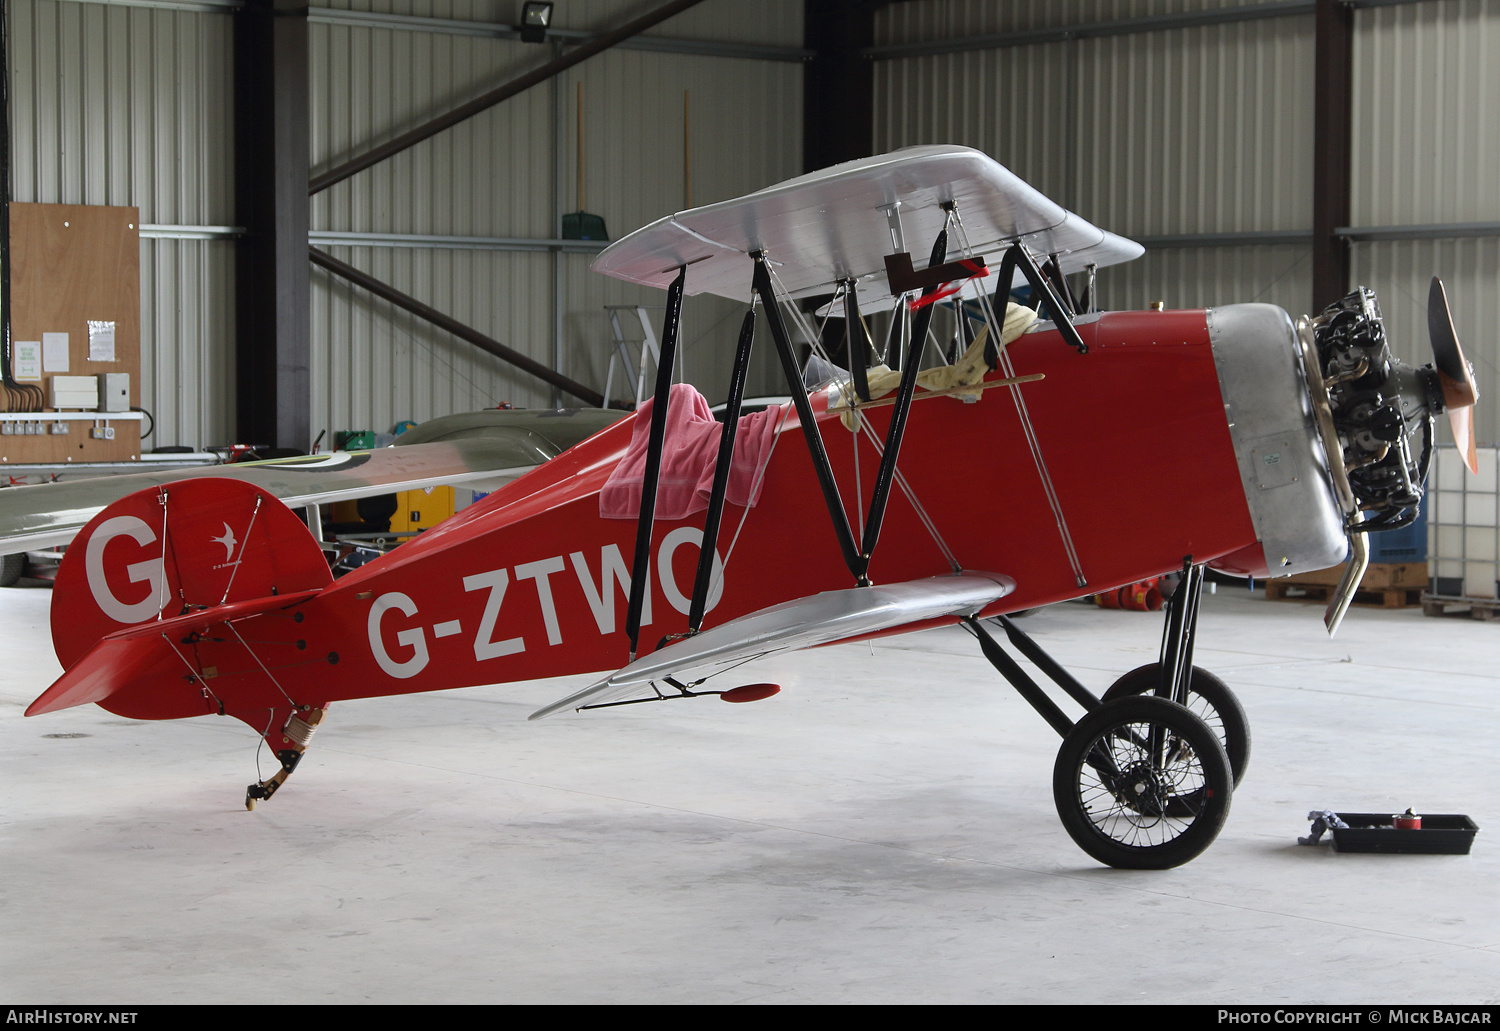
(144, 583)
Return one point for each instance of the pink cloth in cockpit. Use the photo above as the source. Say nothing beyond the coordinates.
(689, 452)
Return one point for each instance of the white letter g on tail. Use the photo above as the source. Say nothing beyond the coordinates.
(150, 571)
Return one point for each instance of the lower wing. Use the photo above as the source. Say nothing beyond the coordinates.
(805, 623)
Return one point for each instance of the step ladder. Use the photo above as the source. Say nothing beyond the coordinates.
(631, 367)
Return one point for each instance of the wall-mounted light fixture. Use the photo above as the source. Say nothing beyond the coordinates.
(536, 16)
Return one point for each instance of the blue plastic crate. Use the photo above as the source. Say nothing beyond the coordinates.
(1408, 544)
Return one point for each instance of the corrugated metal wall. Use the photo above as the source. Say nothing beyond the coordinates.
(504, 173)
(1426, 150)
(1202, 130)
(488, 177)
(1427, 99)
(1189, 130)
(132, 106)
(1210, 130)
(928, 21)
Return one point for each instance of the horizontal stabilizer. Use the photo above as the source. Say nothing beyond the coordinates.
(121, 659)
(804, 623)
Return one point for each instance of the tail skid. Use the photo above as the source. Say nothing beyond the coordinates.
(190, 599)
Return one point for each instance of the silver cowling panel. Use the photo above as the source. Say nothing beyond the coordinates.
(1283, 465)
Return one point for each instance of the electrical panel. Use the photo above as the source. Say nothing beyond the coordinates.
(75, 335)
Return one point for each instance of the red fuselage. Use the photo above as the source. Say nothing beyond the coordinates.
(1133, 434)
(531, 582)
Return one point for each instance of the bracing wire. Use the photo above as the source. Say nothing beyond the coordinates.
(1032, 442)
(845, 389)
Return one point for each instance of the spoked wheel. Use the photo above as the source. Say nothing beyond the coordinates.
(1142, 783)
(1209, 698)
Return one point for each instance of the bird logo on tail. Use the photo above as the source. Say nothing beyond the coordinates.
(228, 541)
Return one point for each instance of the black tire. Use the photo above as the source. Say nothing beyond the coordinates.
(11, 569)
(1209, 698)
(1130, 809)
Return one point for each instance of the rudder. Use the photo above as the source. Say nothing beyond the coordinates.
(205, 550)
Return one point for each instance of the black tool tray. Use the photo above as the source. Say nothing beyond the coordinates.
(1441, 834)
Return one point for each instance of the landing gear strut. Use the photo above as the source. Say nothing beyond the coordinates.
(1144, 780)
(1208, 698)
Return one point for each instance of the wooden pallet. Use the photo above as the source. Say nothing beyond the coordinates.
(1382, 597)
(1378, 575)
(1390, 585)
(1445, 605)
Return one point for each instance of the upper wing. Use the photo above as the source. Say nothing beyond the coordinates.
(1076, 243)
(804, 623)
(500, 447)
(830, 225)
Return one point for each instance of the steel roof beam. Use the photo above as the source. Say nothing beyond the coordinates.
(1333, 148)
(273, 299)
(520, 84)
(384, 290)
(1119, 27)
(569, 37)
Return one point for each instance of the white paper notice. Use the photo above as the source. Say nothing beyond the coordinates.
(101, 341)
(54, 352)
(28, 359)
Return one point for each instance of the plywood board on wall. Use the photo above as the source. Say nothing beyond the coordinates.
(72, 264)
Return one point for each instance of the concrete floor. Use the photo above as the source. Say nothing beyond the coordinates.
(881, 832)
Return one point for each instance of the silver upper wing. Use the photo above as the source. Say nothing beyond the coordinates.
(837, 224)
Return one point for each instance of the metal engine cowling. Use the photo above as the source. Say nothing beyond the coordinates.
(1284, 466)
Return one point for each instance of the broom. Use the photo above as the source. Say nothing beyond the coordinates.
(580, 225)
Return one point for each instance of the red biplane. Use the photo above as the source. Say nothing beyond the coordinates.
(666, 550)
